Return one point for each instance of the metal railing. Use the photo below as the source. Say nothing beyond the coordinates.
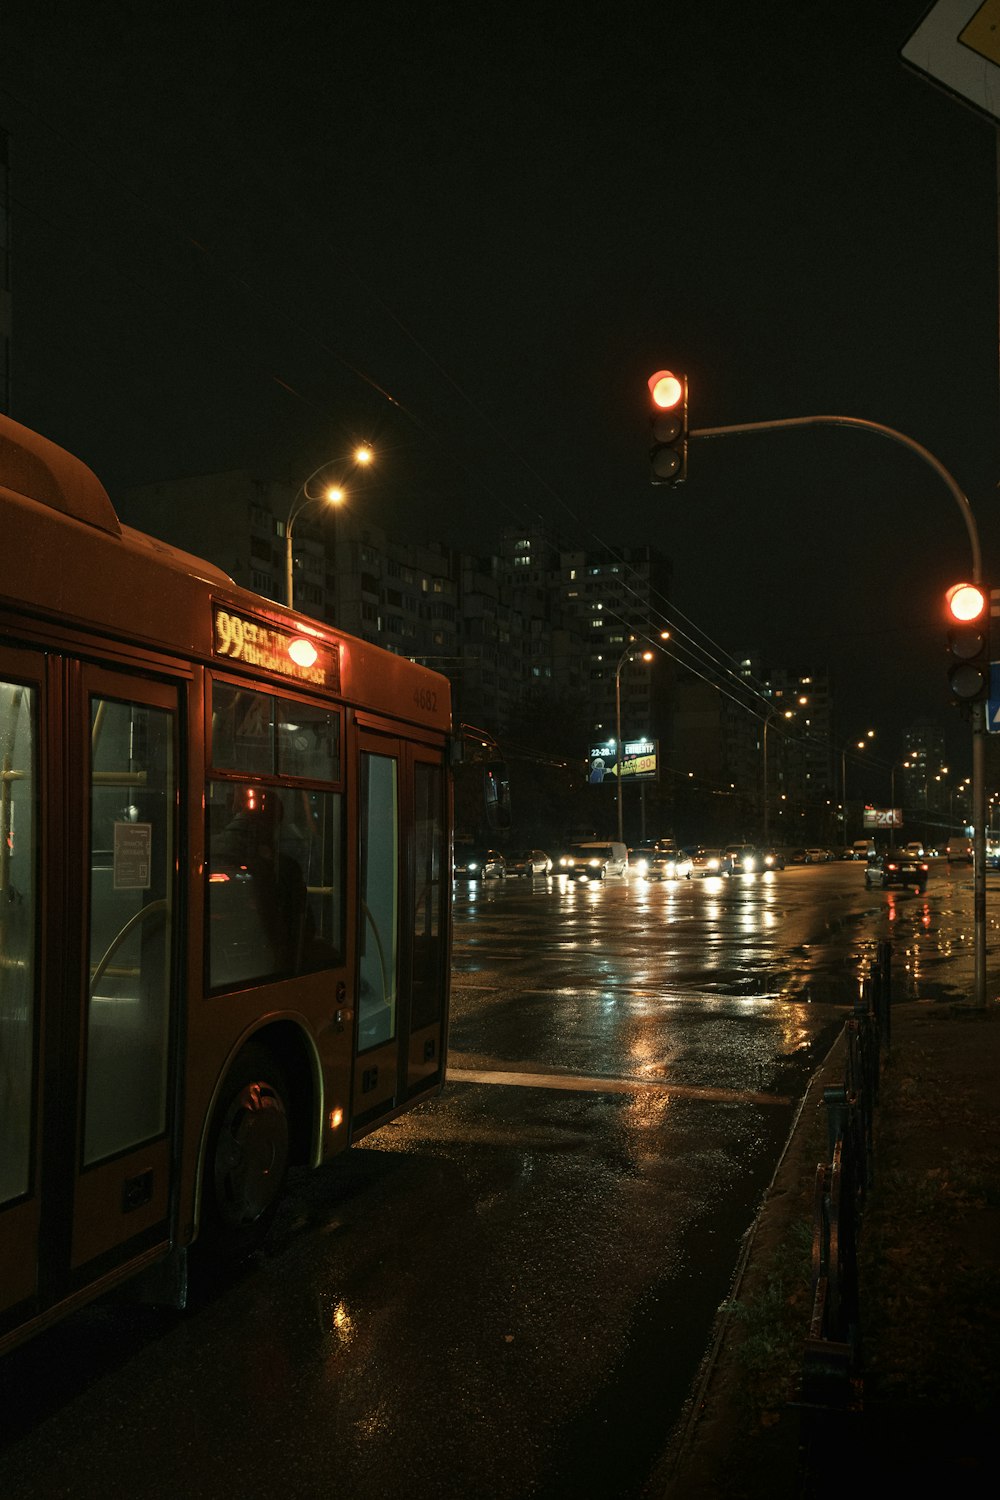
(831, 1378)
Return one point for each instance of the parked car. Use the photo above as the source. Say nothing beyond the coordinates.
(896, 867)
(796, 857)
(528, 862)
(818, 856)
(862, 848)
(472, 862)
(711, 862)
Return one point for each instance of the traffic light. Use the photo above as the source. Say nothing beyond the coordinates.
(668, 420)
(968, 612)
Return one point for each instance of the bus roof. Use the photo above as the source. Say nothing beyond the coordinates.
(68, 558)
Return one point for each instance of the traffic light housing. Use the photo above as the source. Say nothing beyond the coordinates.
(668, 421)
(967, 607)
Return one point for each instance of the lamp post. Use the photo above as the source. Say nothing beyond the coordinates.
(333, 494)
(769, 718)
(851, 745)
(903, 765)
(625, 656)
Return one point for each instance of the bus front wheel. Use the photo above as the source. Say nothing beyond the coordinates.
(247, 1158)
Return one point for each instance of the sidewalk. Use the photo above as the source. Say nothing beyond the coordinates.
(929, 1291)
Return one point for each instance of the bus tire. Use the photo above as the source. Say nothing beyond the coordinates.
(247, 1159)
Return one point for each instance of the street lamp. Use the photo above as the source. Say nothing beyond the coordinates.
(333, 494)
(769, 718)
(903, 765)
(626, 655)
(851, 745)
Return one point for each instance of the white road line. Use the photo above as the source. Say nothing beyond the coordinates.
(580, 1084)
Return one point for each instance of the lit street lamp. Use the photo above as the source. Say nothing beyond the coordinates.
(626, 655)
(899, 765)
(851, 745)
(332, 494)
(770, 717)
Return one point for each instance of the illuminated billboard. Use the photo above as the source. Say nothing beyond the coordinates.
(639, 761)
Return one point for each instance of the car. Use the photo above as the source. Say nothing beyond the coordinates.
(646, 862)
(593, 860)
(797, 857)
(915, 848)
(473, 862)
(653, 862)
(818, 856)
(676, 864)
(579, 863)
(745, 858)
(896, 867)
(528, 862)
(959, 851)
(711, 862)
(861, 848)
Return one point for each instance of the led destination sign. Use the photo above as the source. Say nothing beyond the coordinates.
(257, 644)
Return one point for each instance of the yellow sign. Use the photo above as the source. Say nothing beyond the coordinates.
(958, 44)
(982, 33)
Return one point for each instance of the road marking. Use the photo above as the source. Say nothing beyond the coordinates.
(580, 1084)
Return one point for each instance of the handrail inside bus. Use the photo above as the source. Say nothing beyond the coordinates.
(116, 942)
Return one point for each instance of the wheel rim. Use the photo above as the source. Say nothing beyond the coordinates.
(252, 1154)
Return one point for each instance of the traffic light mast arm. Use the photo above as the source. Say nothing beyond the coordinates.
(890, 432)
(978, 709)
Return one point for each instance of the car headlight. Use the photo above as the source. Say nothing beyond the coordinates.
(713, 864)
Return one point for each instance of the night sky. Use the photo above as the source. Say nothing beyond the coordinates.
(247, 235)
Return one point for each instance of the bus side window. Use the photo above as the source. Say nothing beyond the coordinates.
(275, 886)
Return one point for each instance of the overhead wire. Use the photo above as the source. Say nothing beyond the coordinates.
(705, 658)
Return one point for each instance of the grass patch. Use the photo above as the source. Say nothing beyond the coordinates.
(773, 1320)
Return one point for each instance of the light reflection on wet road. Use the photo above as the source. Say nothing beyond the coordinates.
(508, 1291)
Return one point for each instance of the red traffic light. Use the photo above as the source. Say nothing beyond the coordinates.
(668, 421)
(666, 389)
(965, 602)
(967, 608)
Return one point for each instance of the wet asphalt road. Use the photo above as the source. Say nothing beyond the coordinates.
(508, 1291)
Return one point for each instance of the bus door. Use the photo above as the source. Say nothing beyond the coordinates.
(402, 939)
(85, 1162)
(21, 696)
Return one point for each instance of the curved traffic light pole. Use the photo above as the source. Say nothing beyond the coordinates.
(978, 709)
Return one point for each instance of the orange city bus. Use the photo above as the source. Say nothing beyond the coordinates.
(225, 895)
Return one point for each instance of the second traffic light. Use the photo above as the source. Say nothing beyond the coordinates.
(968, 612)
(668, 421)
